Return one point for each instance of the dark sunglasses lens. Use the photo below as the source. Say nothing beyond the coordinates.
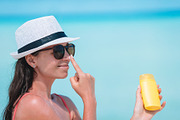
(58, 51)
(71, 49)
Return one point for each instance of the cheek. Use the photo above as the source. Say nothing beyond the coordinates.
(46, 66)
(50, 69)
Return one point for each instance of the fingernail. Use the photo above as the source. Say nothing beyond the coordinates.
(71, 56)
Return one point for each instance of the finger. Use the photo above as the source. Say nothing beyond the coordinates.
(157, 86)
(92, 77)
(76, 78)
(74, 81)
(77, 75)
(138, 94)
(139, 102)
(163, 105)
(159, 90)
(75, 65)
(160, 97)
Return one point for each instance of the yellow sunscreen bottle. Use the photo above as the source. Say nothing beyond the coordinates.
(149, 92)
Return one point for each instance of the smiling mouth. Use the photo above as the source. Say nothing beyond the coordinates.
(63, 66)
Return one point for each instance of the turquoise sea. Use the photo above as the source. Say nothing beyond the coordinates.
(115, 52)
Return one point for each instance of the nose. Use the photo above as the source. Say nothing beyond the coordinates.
(66, 56)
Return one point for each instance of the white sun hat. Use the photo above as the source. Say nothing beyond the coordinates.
(37, 34)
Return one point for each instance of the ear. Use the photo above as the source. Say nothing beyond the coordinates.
(30, 59)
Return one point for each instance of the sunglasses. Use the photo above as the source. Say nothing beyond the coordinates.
(59, 50)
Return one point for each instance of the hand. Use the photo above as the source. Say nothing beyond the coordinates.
(82, 83)
(140, 113)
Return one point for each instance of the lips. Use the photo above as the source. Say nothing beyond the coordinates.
(63, 66)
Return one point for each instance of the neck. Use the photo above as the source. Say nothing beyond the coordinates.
(42, 86)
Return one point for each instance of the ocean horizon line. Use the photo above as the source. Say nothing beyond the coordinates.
(104, 16)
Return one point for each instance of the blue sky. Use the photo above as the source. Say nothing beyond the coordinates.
(85, 10)
(28, 7)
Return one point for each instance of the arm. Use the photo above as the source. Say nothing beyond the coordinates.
(140, 113)
(89, 108)
(83, 84)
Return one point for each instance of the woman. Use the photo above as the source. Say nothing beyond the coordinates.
(43, 56)
(44, 52)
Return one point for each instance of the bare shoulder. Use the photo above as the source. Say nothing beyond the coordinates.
(72, 107)
(69, 102)
(33, 107)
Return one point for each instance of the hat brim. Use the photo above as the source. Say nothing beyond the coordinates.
(17, 55)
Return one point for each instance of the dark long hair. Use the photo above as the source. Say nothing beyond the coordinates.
(22, 81)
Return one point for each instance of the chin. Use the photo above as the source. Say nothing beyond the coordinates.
(62, 76)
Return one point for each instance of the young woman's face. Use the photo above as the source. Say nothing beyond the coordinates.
(49, 67)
